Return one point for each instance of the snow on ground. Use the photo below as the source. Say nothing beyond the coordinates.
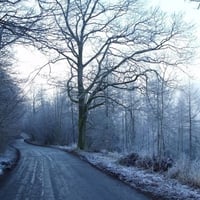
(7, 159)
(159, 185)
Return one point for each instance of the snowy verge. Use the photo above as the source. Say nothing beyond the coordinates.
(158, 185)
(8, 159)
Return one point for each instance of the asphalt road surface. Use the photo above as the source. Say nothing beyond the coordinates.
(49, 174)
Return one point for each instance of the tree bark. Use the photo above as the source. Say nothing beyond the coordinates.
(82, 120)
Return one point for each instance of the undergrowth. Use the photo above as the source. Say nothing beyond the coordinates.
(186, 171)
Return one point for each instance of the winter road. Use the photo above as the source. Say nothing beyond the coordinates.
(49, 174)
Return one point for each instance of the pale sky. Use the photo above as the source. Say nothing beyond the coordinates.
(192, 15)
(175, 5)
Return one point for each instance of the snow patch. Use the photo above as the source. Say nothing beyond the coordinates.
(69, 148)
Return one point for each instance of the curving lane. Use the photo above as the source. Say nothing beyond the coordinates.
(50, 174)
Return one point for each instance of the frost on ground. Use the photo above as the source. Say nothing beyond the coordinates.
(159, 185)
(154, 183)
(7, 159)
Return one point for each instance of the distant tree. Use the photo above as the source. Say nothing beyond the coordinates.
(190, 122)
(50, 122)
(181, 118)
(129, 112)
(160, 91)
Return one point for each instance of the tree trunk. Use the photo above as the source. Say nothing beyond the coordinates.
(190, 124)
(82, 120)
(73, 123)
(82, 105)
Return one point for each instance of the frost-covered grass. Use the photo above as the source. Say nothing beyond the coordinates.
(186, 171)
(159, 185)
(7, 159)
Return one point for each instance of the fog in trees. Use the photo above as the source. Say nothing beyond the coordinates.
(120, 91)
(51, 121)
(17, 23)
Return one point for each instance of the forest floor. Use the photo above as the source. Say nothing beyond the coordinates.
(157, 184)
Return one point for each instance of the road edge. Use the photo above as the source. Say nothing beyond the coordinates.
(13, 163)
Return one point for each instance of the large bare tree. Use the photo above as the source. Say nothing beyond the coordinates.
(109, 44)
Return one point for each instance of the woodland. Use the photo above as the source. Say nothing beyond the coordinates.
(123, 90)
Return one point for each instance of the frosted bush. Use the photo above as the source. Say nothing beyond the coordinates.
(186, 171)
(194, 173)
